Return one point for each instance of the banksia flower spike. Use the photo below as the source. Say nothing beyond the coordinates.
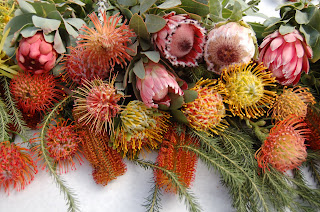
(245, 91)
(313, 121)
(157, 84)
(174, 158)
(229, 44)
(96, 103)
(140, 127)
(286, 56)
(284, 148)
(293, 101)
(35, 93)
(36, 55)
(106, 45)
(181, 41)
(62, 143)
(207, 111)
(17, 168)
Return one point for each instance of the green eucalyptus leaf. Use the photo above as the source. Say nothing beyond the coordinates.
(145, 44)
(179, 116)
(216, 19)
(258, 29)
(49, 37)
(55, 15)
(126, 12)
(58, 43)
(176, 101)
(57, 70)
(29, 31)
(70, 30)
(133, 49)
(226, 13)
(169, 4)
(301, 17)
(163, 107)
(271, 21)
(128, 3)
(285, 29)
(17, 33)
(43, 8)
(26, 7)
(18, 22)
(139, 27)
(145, 5)
(190, 95)
(139, 70)
(75, 22)
(312, 37)
(154, 23)
(135, 9)
(152, 55)
(47, 25)
(315, 20)
(215, 8)
(236, 12)
(78, 2)
(195, 7)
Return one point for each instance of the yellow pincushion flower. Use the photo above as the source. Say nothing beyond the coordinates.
(245, 89)
(292, 101)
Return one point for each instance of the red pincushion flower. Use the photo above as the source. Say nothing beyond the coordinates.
(284, 148)
(17, 168)
(35, 93)
(181, 41)
(36, 55)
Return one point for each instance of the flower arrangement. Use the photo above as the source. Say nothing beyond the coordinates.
(189, 80)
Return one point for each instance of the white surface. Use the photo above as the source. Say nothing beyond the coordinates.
(127, 193)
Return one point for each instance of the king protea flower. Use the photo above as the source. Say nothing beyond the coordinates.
(17, 167)
(181, 41)
(284, 148)
(286, 56)
(107, 43)
(36, 55)
(229, 44)
(157, 84)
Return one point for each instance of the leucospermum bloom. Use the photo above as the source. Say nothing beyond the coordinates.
(245, 91)
(17, 168)
(284, 148)
(140, 127)
(207, 111)
(293, 101)
(157, 84)
(286, 56)
(62, 143)
(35, 93)
(229, 44)
(96, 102)
(107, 43)
(181, 41)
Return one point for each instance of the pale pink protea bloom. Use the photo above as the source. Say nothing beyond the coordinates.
(229, 44)
(286, 56)
(156, 85)
(181, 41)
(36, 55)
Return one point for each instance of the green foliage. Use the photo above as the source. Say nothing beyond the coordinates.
(153, 200)
(4, 121)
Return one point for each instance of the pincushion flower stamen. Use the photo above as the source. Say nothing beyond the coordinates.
(245, 89)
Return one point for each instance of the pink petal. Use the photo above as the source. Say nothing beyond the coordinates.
(299, 49)
(288, 53)
(305, 64)
(276, 43)
(45, 48)
(45, 58)
(289, 38)
(49, 65)
(34, 50)
(277, 73)
(298, 66)
(290, 68)
(270, 56)
(265, 42)
(24, 48)
(34, 38)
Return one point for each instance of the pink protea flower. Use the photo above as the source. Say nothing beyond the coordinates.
(286, 56)
(36, 55)
(156, 85)
(284, 148)
(229, 44)
(181, 41)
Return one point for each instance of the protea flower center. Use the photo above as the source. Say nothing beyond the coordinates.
(182, 41)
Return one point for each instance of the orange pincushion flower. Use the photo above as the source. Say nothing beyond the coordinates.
(284, 148)
(17, 168)
(107, 43)
(313, 121)
(174, 158)
(35, 93)
(292, 101)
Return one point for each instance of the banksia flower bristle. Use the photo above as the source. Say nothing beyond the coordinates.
(17, 168)
(293, 101)
(95, 104)
(106, 162)
(140, 127)
(174, 158)
(35, 93)
(107, 43)
(284, 148)
(245, 91)
(62, 143)
(207, 111)
(313, 121)
(78, 69)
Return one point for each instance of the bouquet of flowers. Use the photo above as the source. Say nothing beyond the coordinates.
(188, 79)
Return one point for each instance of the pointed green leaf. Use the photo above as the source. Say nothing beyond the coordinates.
(139, 27)
(169, 4)
(49, 37)
(236, 12)
(26, 7)
(154, 23)
(71, 30)
(48, 25)
(76, 22)
(139, 70)
(145, 5)
(176, 101)
(190, 95)
(18, 22)
(312, 37)
(58, 43)
(215, 8)
(285, 29)
(152, 55)
(29, 31)
(43, 8)
(195, 7)
(128, 3)
(301, 17)
(179, 116)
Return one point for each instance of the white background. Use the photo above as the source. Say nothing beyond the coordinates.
(127, 192)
